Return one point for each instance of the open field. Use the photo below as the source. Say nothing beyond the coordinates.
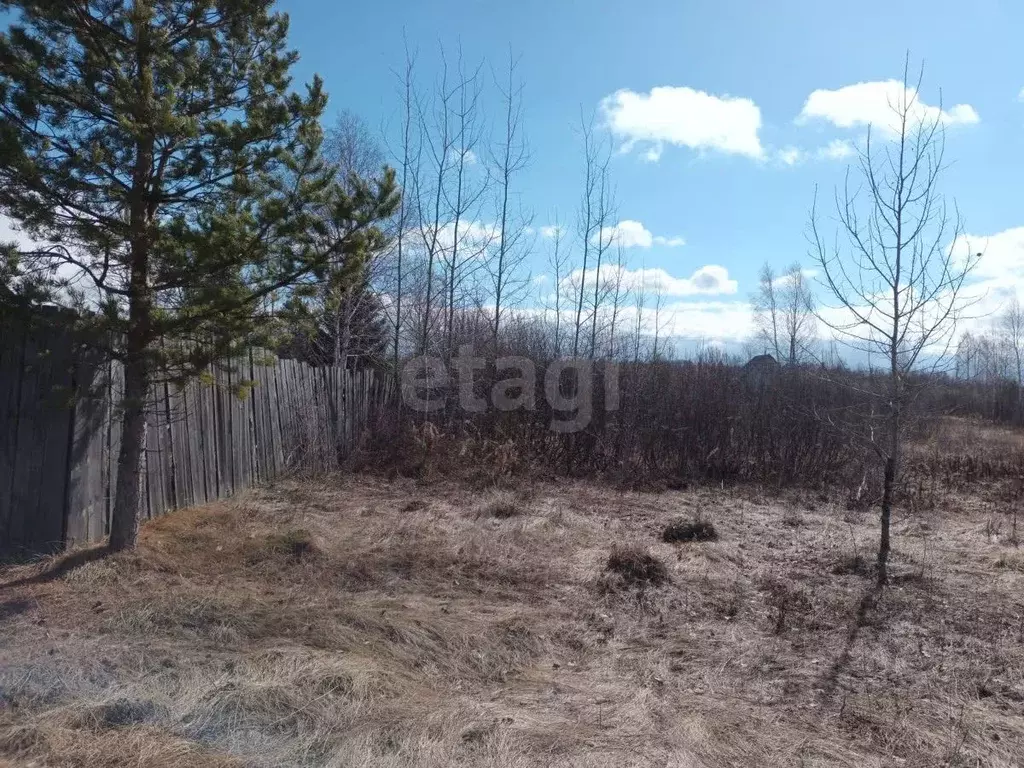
(361, 622)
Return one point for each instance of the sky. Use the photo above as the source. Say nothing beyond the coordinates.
(723, 116)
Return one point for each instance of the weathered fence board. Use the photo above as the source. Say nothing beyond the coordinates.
(246, 422)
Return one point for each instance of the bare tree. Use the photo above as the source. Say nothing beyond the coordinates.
(508, 160)
(469, 238)
(347, 291)
(639, 301)
(605, 237)
(586, 221)
(897, 286)
(439, 140)
(659, 303)
(619, 293)
(765, 303)
(406, 157)
(560, 270)
(796, 302)
(1011, 328)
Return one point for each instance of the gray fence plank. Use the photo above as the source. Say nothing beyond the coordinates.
(86, 496)
(28, 461)
(45, 528)
(113, 452)
(12, 350)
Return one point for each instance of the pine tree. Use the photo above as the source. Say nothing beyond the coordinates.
(157, 149)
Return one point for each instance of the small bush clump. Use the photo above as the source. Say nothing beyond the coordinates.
(501, 505)
(855, 565)
(296, 545)
(689, 530)
(636, 567)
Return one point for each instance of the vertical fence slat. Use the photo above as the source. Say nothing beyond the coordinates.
(56, 398)
(208, 437)
(28, 461)
(86, 497)
(113, 452)
(12, 350)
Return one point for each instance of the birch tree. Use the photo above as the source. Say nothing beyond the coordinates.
(897, 287)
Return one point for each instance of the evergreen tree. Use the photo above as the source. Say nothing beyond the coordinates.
(158, 152)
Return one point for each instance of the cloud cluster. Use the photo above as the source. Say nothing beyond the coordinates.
(709, 280)
(876, 104)
(684, 117)
(472, 235)
(628, 233)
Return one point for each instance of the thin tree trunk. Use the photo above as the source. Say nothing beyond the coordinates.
(888, 488)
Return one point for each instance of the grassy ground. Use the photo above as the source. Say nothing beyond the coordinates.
(362, 622)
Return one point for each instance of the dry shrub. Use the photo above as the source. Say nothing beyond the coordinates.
(501, 505)
(792, 519)
(633, 566)
(293, 546)
(852, 565)
(1011, 561)
(786, 600)
(689, 530)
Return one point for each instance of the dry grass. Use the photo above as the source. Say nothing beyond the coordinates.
(367, 623)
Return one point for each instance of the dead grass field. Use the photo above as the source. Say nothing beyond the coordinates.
(361, 622)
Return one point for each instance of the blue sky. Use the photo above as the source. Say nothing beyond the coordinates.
(733, 209)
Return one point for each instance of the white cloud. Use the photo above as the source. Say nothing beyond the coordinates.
(1020, 95)
(629, 233)
(784, 280)
(1002, 254)
(997, 277)
(669, 242)
(837, 149)
(472, 235)
(551, 231)
(708, 280)
(708, 321)
(653, 153)
(469, 157)
(872, 103)
(790, 155)
(684, 117)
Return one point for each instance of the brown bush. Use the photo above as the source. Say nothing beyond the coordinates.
(636, 567)
(501, 505)
(689, 530)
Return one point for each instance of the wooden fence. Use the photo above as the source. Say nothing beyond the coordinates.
(248, 421)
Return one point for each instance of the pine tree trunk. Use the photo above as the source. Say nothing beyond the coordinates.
(124, 521)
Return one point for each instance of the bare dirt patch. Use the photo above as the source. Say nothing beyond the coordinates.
(360, 622)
